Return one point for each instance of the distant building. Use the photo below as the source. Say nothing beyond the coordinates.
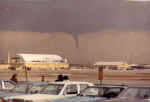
(113, 65)
(50, 61)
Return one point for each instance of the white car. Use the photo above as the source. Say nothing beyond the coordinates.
(7, 85)
(92, 93)
(55, 90)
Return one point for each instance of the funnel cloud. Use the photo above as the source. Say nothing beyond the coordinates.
(92, 27)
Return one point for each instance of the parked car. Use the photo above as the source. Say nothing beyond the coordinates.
(23, 88)
(7, 85)
(28, 87)
(55, 90)
(93, 93)
(132, 94)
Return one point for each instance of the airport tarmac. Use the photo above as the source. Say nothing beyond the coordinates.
(90, 75)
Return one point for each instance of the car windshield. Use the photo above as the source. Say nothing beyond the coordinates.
(53, 89)
(136, 92)
(101, 91)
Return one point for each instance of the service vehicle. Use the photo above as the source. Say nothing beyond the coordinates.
(55, 90)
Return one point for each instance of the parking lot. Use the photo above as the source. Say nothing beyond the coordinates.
(114, 83)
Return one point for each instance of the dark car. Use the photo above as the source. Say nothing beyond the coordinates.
(93, 93)
(132, 94)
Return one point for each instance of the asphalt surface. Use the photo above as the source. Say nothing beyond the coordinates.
(110, 76)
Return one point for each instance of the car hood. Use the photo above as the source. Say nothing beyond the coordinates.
(3, 93)
(38, 97)
(79, 99)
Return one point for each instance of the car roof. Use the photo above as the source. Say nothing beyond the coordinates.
(110, 85)
(32, 83)
(139, 85)
(70, 82)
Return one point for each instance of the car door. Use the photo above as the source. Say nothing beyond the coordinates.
(82, 87)
(8, 85)
(1, 85)
(144, 94)
(71, 90)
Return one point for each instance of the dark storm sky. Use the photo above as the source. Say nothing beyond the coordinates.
(77, 18)
(73, 16)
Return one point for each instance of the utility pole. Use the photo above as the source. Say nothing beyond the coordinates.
(8, 58)
(26, 73)
(100, 74)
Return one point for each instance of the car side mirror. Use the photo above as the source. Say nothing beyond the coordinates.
(11, 90)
